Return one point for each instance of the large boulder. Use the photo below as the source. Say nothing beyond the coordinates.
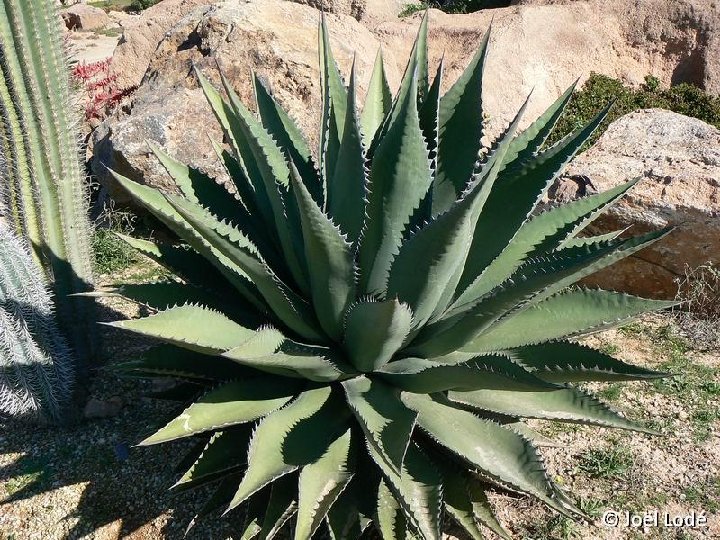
(143, 33)
(682, 35)
(141, 36)
(677, 160)
(542, 48)
(85, 17)
(274, 38)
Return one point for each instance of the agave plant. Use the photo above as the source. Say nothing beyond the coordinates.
(361, 341)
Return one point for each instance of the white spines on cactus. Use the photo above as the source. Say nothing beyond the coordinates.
(36, 364)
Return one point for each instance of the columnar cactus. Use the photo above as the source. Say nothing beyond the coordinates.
(42, 191)
(36, 365)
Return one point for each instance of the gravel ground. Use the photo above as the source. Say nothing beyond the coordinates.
(87, 480)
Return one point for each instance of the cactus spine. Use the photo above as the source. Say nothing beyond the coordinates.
(42, 191)
(36, 365)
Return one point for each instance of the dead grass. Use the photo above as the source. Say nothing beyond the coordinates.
(698, 315)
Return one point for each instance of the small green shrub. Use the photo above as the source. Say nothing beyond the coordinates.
(454, 6)
(612, 462)
(139, 5)
(111, 253)
(598, 90)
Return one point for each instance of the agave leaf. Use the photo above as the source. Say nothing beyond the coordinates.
(223, 454)
(564, 362)
(197, 186)
(334, 104)
(231, 404)
(247, 216)
(417, 489)
(234, 133)
(280, 507)
(587, 240)
(170, 361)
(417, 67)
(220, 498)
(295, 360)
(571, 313)
(538, 440)
(375, 331)
(245, 188)
(575, 263)
(184, 263)
(252, 529)
(348, 185)
(192, 327)
(488, 372)
(512, 201)
(429, 115)
(287, 305)
(166, 294)
(321, 483)
(157, 204)
(427, 264)
(497, 452)
(460, 128)
(350, 516)
(526, 145)
(467, 502)
(330, 262)
(289, 138)
(565, 404)
(254, 510)
(378, 101)
(275, 174)
(343, 520)
(390, 516)
(482, 510)
(267, 453)
(184, 392)
(458, 504)
(428, 124)
(193, 455)
(532, 283)
(414, 83)
(265, 341)
(386, 422)
(161, 294)
(540, 234)
(399, 179)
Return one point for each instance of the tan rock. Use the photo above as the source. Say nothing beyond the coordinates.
(170, 109)
(682, 37)
(85, 17)
(354, 8)
(382, 10)
(678, 161)
(544, 48)
(540, 47)
(143, 33)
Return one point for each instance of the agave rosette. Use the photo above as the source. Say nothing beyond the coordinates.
(361, 340)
